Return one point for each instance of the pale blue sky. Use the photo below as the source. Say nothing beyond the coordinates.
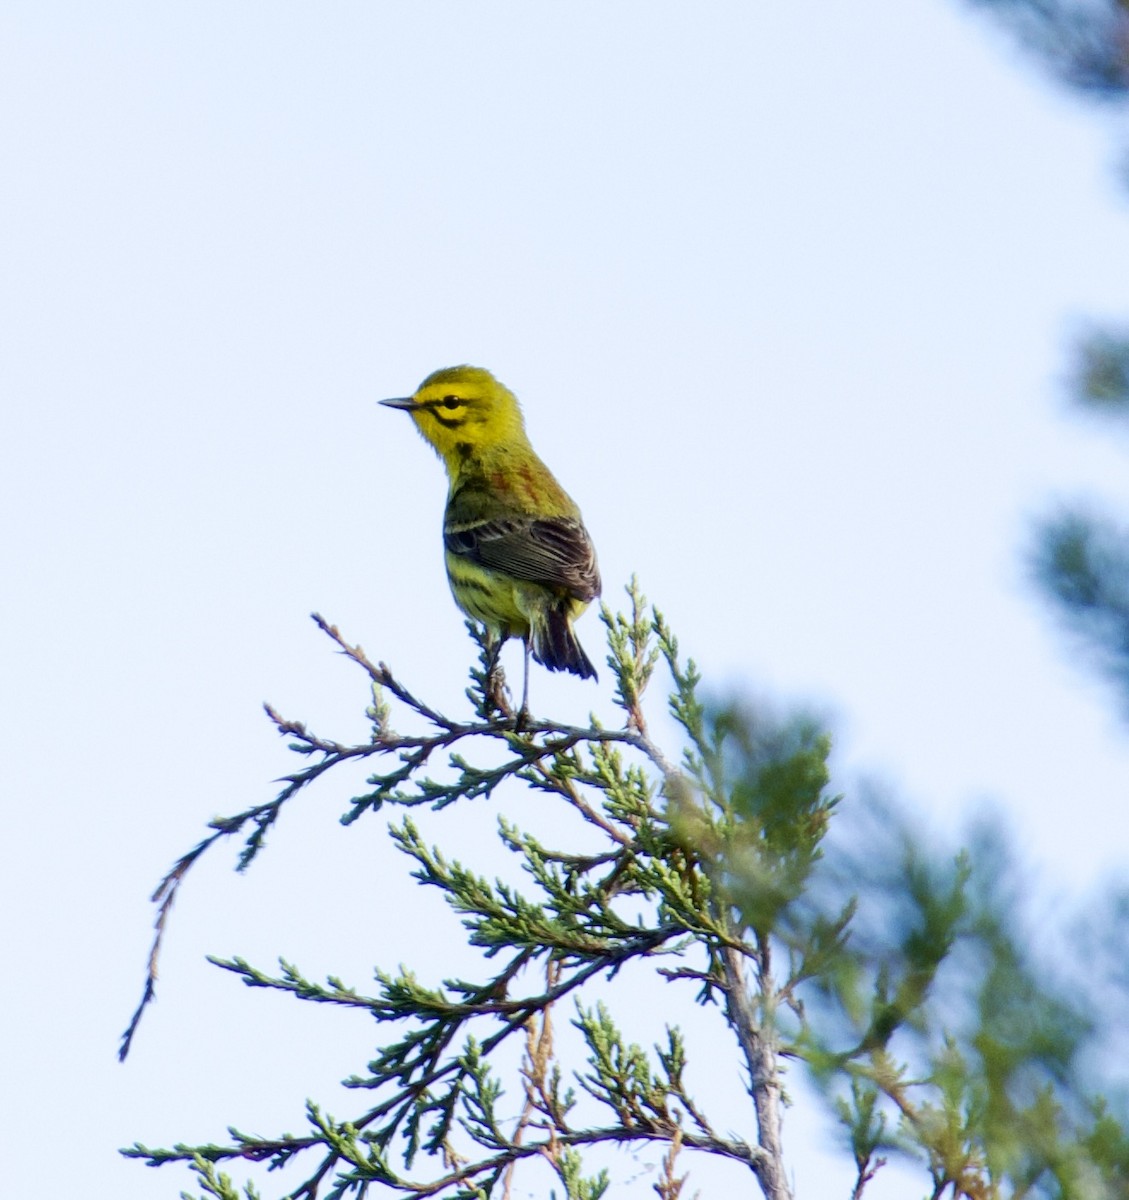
(785, 291)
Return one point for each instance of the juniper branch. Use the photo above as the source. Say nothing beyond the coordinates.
(425, 1088)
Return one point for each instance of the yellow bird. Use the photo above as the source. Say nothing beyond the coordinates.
(519, 559)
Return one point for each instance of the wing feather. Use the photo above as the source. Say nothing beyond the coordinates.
(554, 551)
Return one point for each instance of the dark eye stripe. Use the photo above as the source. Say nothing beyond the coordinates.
(448, 402)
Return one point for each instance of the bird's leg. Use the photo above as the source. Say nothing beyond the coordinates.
(523, 712)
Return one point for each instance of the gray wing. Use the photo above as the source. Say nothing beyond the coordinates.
(554, 551)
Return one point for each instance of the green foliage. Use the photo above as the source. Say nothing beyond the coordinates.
(898, 975)
(944, 1037)
(217, 1184)
(1082, 563)
(432, 1091)
(1081, 559)
(1102, 373)
(1081, 42)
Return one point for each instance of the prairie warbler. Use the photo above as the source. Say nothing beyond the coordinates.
(519, 559)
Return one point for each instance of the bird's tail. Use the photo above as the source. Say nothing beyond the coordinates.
(554, 645)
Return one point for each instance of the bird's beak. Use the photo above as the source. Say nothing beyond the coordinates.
(405, 402)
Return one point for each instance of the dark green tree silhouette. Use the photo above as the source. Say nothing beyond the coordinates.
(1081, 556)
(1084, 44)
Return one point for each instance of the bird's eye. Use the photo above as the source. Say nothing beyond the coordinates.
(451, 402)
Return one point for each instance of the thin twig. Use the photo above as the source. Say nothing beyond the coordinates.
(866, 1172)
